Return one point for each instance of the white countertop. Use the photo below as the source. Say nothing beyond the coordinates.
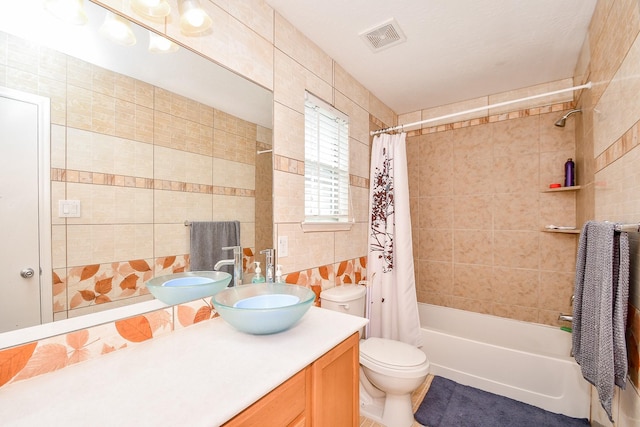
(199, 376)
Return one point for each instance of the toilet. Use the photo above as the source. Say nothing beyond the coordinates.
(389, 370)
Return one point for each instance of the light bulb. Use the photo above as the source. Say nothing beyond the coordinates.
(117, 29)
(193, 18)
(159, 44)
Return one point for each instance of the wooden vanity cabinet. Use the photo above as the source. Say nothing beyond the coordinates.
(325, 393)
(287, 405)
(335, 386)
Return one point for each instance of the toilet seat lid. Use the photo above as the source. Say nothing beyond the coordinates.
(391, 353)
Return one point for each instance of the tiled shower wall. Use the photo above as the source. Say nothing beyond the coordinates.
(478, 205)
(609, 153)
(141, 161)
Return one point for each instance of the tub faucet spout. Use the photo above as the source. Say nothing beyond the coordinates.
(565, 317)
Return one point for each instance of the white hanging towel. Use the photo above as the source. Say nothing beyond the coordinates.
(390, 267)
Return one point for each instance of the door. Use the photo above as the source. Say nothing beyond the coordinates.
(25, 229)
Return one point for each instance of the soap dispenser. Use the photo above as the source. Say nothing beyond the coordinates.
(279, 274)
(258, 277)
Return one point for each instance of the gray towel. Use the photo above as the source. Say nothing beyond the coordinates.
(207, 240)
(600, 308)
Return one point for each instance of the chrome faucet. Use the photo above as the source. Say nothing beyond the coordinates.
(236, 262)
(565, 317)
(268, 264)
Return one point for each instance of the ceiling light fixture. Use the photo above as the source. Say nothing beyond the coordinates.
(71, 11)
(193, 18)
(117, 29)
(151, 8)
(159, 44)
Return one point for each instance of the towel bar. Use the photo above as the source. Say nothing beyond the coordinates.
(628, 227)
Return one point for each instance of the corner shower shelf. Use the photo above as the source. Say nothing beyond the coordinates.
(550, 230)
(555, 190)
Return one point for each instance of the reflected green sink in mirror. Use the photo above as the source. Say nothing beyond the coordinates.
(179, 288)
(264, 308)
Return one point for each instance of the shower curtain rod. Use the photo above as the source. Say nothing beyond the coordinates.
(485, 107)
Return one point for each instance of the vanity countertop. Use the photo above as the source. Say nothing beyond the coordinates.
(202, 375)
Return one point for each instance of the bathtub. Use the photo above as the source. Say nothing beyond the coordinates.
(524, 361)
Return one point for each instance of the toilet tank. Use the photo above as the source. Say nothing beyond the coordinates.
(349, 299)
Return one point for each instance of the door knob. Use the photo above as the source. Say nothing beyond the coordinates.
(27, 273)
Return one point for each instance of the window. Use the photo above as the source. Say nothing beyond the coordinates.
(326, 169)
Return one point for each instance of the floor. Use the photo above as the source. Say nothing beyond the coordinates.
(416, 399)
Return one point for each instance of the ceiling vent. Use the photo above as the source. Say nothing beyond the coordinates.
(383, 36)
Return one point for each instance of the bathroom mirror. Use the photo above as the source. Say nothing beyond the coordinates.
(180, 94)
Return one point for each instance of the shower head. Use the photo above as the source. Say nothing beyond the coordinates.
(562, 121)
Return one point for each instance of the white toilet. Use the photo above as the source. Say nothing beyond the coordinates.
(389, 370)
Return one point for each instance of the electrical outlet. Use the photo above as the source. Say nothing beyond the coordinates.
(283, 246)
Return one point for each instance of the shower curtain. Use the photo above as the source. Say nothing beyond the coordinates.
(393, 308)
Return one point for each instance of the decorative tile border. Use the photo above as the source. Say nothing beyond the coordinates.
(328, 276)
(85, 177)
(88, 285)
(54, 353)
(105, 283)
(493, 118)
(83, 286)
(50, 354)
(622, 146)
(289, 165)
(358, 181)
(351, 271)
(481, 120)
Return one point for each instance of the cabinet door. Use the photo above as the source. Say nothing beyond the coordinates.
(284, 406)
(335, 386)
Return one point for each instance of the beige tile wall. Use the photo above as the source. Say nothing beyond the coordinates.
(253, 40)
(609, 156)
(264, 193)
(478, 208)
(300, 65)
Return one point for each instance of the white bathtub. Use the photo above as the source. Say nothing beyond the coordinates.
(524, 361)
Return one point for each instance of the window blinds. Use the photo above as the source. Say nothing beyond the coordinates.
(326, 162)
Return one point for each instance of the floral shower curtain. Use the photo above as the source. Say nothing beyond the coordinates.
(393, 308)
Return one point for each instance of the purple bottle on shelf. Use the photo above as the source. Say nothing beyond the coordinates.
(569, 173)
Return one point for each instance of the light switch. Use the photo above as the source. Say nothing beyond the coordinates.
(69, 208)
(283, 246)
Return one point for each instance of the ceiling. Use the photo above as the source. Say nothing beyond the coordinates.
(455, 50)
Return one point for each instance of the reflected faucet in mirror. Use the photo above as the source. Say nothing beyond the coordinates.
(236, 262)
(268, 264)
(136, 180)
